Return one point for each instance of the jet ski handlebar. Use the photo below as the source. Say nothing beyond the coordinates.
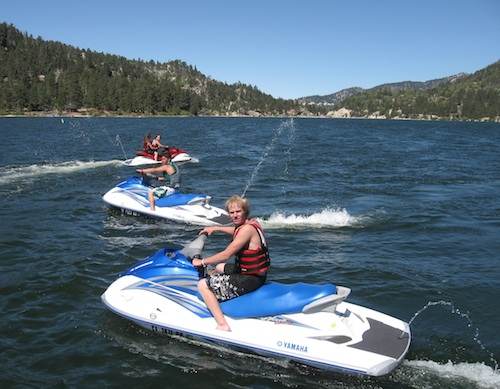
(202, 270)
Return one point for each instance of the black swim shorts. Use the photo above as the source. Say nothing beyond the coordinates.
(232, 283)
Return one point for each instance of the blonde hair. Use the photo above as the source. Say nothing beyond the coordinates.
(241, 201)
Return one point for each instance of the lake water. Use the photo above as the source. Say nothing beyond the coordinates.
(405, 213)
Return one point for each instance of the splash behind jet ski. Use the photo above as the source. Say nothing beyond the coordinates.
(143, 159)
(131, 196)
(307, 323)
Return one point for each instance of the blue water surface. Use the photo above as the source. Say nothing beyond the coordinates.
(405, 213)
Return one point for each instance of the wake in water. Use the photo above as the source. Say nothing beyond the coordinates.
(464, 316)
(477, 373)
(327, 218)
(14, 174)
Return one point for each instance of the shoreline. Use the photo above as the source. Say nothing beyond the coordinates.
(76, 115)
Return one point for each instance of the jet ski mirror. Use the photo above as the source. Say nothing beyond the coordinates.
(195, 247)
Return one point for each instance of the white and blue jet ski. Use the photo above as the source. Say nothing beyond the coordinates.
(307, 323)
(131, 196)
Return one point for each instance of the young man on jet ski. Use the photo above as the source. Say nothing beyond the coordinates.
(167, 169)
(252, 261)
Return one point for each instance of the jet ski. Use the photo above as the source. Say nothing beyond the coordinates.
(131, 196)
(311, 324)
(143, 158)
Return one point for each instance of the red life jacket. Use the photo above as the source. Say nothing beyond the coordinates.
(253, 261)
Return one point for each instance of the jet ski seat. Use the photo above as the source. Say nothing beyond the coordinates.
(136, 185)
(178, 199)
(275, 298)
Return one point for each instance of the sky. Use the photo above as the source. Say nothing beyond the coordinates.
(289, 49)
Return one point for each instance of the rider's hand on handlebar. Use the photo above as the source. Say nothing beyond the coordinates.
(207, 231)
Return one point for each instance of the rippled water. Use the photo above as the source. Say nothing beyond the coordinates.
(405, 213)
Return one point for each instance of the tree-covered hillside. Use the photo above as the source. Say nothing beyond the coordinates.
(46, 76)
(39, 75)
(476, 96)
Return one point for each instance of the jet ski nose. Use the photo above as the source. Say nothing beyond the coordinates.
(223, 220)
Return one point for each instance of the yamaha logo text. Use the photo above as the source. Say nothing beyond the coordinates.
(292, 346)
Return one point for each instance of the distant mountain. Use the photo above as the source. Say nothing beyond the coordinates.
(45, 76)
(469, 97)
(459, 97)
(418, 85)
(337, 97)
(331, 99)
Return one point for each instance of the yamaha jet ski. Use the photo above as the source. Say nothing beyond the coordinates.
(131, 196)
(308, 323)
(144, 159)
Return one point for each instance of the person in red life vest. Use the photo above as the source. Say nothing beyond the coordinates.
(146, 144)
(249, 271)
(156, 145)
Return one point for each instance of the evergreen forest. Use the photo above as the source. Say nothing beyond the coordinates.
(42, 76)
(46, 77)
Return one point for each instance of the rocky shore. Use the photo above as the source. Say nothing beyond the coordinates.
(342, 113)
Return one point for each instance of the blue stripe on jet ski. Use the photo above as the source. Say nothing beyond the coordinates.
(173, 294)
(131, 181)
(186, 284)
(136, 196)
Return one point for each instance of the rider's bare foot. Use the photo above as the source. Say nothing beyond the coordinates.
(224, 327)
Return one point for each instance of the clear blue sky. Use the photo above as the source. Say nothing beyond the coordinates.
(288, 48)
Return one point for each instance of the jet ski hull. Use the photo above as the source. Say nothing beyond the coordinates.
(369, 342)
(309, 324)
(131, 197)
(143, 161)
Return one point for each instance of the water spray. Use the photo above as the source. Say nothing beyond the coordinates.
(462, 315)
(277, 132)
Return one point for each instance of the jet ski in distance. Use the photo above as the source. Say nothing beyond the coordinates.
(143, 158)
(307, 323)
(131, 196)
